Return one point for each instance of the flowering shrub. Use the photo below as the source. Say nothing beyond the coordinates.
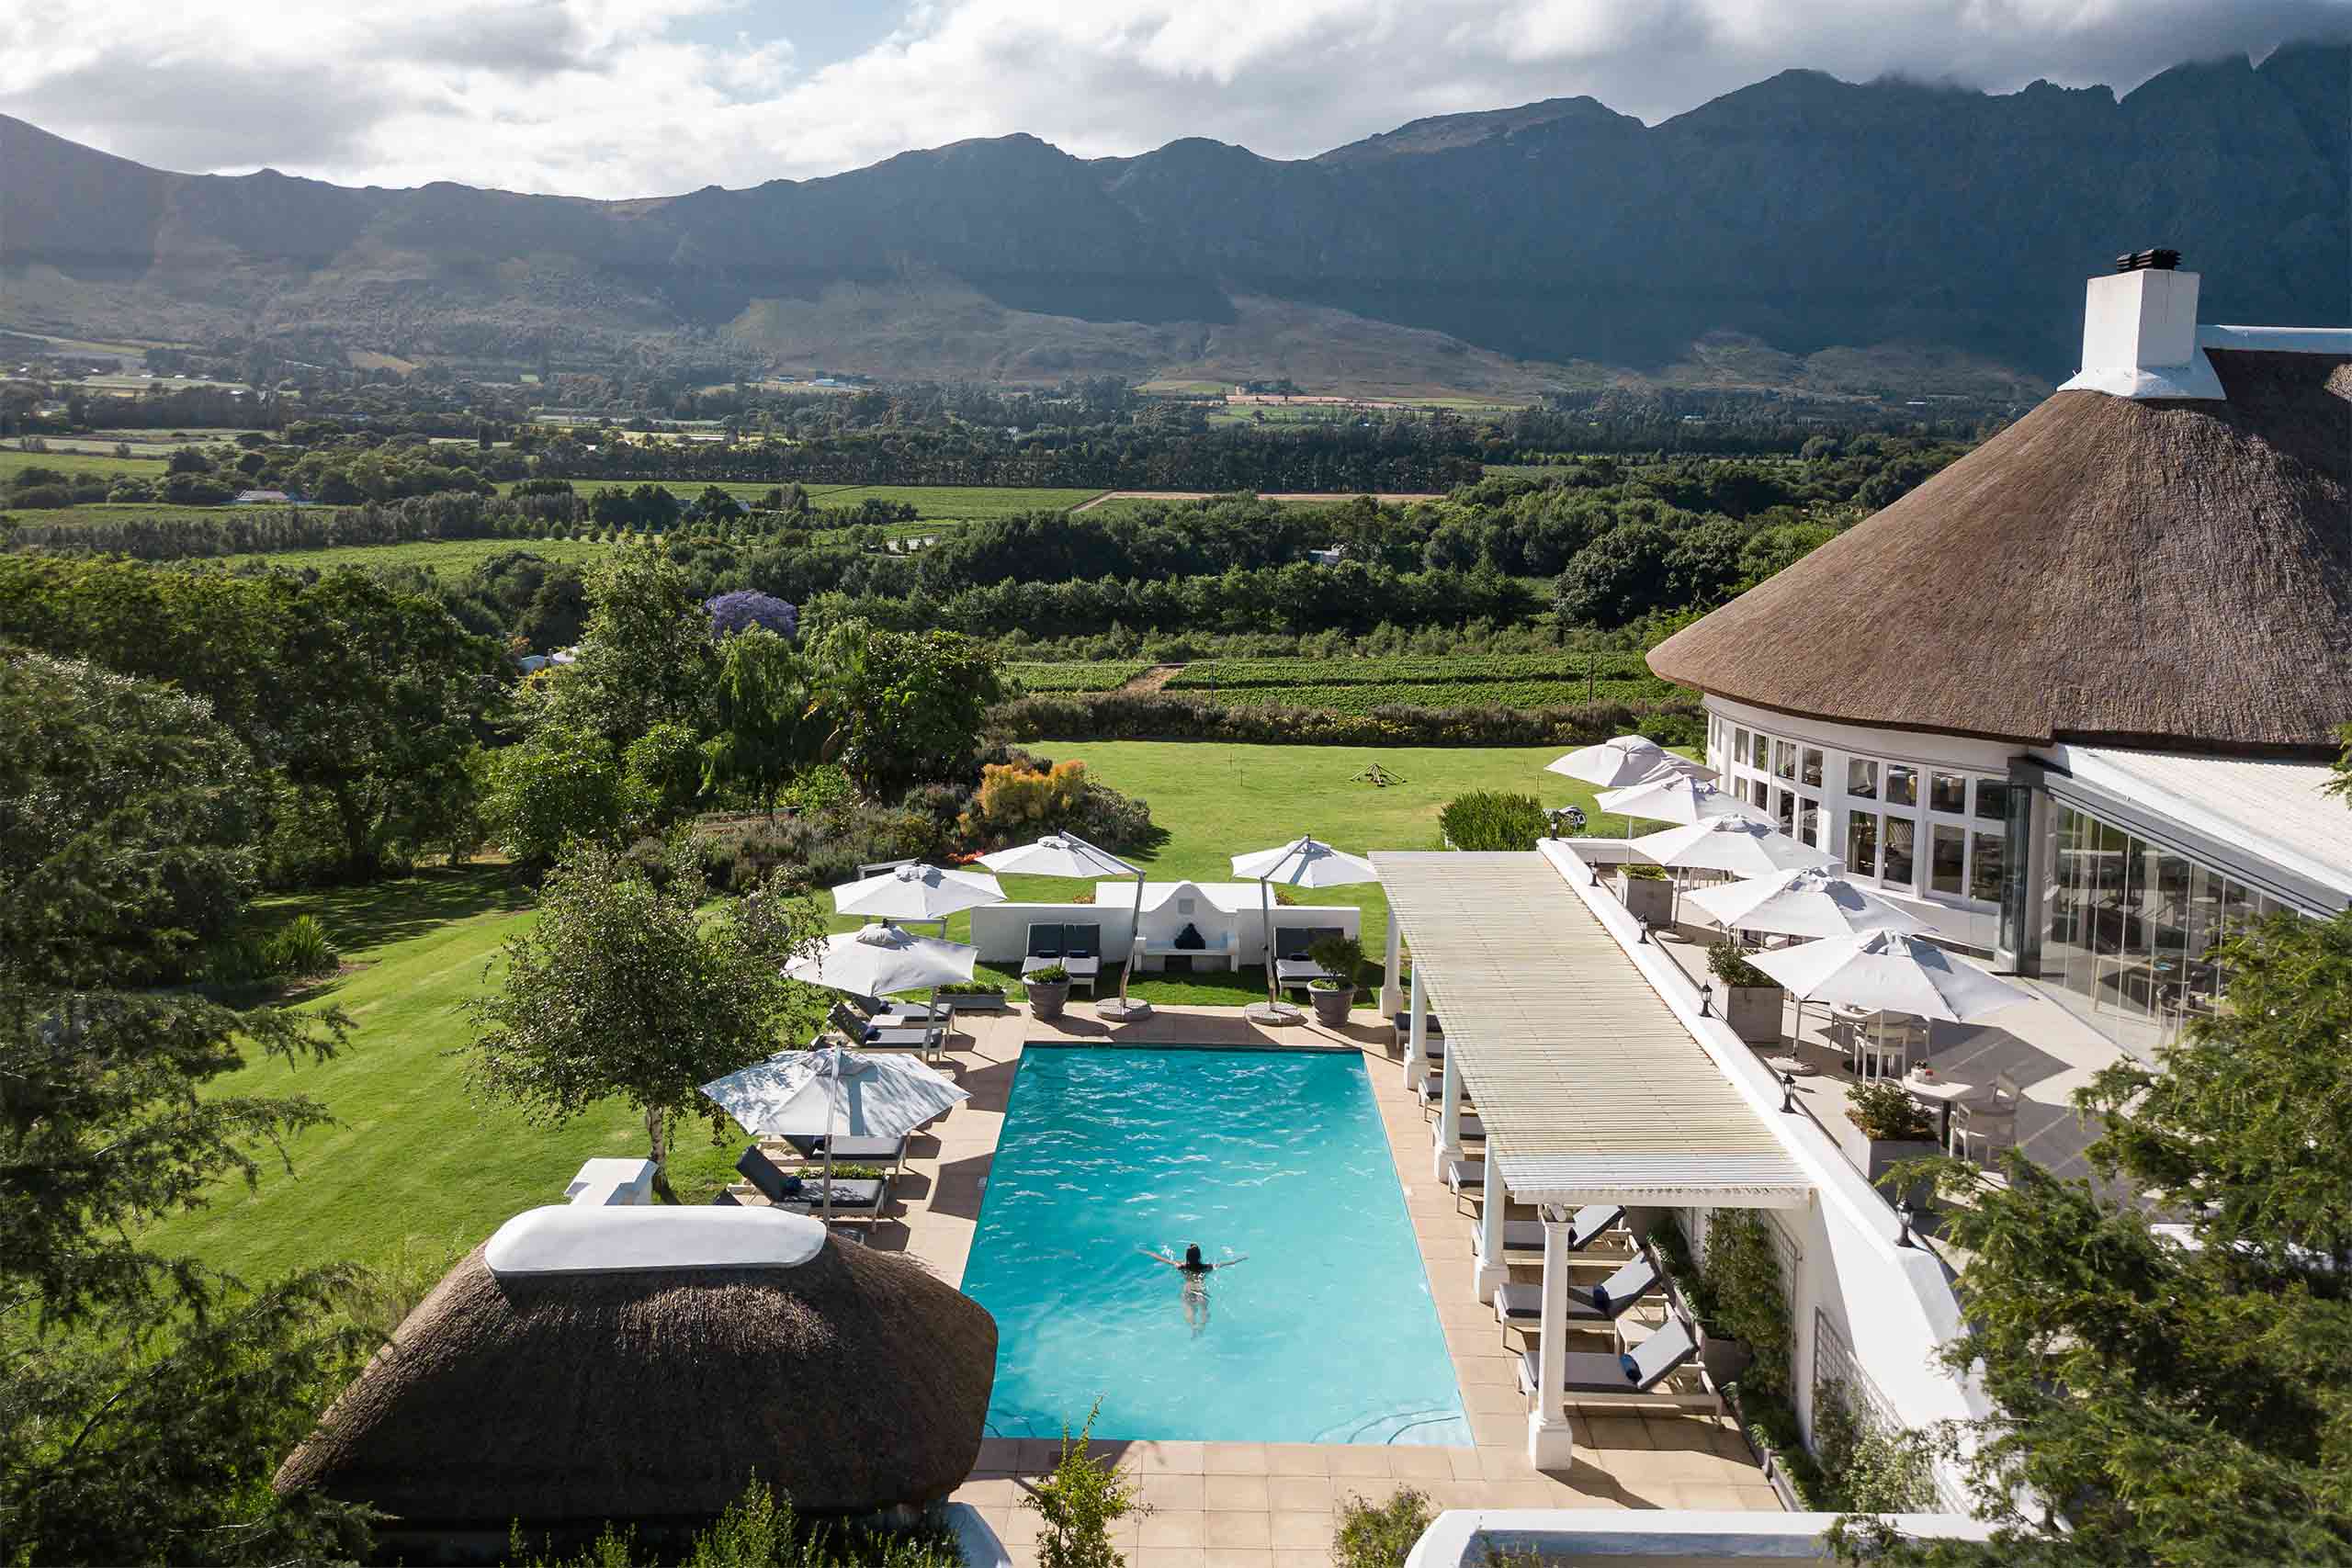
(731, 613)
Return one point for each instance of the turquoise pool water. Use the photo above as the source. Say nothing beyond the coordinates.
(1325, 1335)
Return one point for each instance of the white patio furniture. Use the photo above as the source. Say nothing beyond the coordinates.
(1989, 1124)
(1884, 972)
(1942, 1093)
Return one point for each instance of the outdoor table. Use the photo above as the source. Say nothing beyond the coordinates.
(1941, 1093)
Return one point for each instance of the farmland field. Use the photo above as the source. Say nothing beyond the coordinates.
(942, 503)
(1360, 685)
(13, 463)
(1093, 675)
(447, 558)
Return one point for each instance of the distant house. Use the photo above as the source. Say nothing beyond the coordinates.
(1331, 557)
(263, 498)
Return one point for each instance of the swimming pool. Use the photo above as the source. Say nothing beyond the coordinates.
(1327, 1333)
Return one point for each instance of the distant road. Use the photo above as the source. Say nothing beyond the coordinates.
(1398, 496)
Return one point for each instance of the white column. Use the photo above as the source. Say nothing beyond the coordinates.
(1417, 1037)
(1449, 1118)
(1392, 995)
(1550, 1443)
(1489, 1269)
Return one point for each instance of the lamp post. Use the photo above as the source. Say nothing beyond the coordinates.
(1788, 1094)
(1707, 999)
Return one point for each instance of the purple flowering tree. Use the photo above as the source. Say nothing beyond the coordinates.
(731, 613)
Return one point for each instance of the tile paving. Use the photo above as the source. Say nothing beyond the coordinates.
(1272, 1505)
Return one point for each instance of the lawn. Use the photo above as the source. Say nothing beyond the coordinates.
(450, 558)
(414, 1170)
(13, 462)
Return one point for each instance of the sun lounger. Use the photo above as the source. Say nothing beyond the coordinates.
(851, 1199)
(1430, 1091)
(896, 1015)
(891, 1152)
(1292, 967)
(1602, 1376)
(1077, 948)
(1402, 1023)
(1585, 1226)
(1520, 1305)
(1465, 1178)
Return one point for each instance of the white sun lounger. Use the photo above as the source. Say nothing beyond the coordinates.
(1635, 1372)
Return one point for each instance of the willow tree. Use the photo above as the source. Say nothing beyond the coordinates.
(627, 987)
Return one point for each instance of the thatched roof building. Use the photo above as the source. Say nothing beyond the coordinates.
(2115, 570)
(643, 1363)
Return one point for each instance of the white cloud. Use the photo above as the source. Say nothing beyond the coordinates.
(620, 97)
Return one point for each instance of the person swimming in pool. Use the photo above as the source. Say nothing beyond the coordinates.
(1196, 1271)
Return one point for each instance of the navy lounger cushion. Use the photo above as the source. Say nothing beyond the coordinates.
(1600, 1299)
(1633, 1369)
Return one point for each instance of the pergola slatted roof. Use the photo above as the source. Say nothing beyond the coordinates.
(1590, 1087)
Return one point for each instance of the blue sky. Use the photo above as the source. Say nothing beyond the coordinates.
(643, 97)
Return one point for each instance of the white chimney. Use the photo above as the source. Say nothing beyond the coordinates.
(2140, 336)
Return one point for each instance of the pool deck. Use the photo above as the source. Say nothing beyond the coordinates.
(1271, 1505)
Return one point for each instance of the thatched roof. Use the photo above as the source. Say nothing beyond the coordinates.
(2176, 575)
(853, 1380)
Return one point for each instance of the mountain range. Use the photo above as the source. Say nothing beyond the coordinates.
(1794, 230)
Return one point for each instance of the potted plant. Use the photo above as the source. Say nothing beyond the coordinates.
(974, 996)
(1751, 998)
(1334, 995)
(1881, 1128)
(1049, 990)
(1646, 892)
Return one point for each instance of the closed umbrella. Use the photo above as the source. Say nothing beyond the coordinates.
(1888, 972)
(874, 961)
(916, 893)
(1301, 863)
(1810, 902)
(830, 1091)
(1672, 796)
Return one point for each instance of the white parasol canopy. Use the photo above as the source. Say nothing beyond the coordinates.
(1623, 760)
(874, 961)
(1672, 796)
(1888, 972)
(1301, 863)
(1735, 844)
(916, 893)
(832, 1091)
(828, 1092)
(1809, 901)
(1058, 854)
(1067, 854)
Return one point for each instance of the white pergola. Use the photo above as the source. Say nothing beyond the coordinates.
(1590, 1090)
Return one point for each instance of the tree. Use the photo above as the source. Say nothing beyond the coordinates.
(2154, 1401)
(662, 773)
(148, 1398)
(768, 726)
(645, 655)
(376, 697)
(904, 707)
(623, 988)
(559, 784)
(731, 613)
(127, 816)
(1617, 578)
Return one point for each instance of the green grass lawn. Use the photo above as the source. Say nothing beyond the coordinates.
(13, 462)
(413, 1169)
(450, 558)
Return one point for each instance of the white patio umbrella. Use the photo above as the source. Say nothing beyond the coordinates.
(1067, 854)
(874, 961)
(829, 1090)
(1888, 972)
(1737, 844)
(916, 893)
(1672, 796)
(1301, 863)
(1623, 760)
(1810, 902)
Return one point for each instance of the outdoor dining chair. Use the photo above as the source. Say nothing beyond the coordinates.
(1991, 1121)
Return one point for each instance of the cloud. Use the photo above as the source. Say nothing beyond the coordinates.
(633, 97)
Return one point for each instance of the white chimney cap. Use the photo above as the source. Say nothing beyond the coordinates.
(2140, 338)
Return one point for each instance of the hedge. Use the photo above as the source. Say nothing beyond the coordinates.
(1159, 715)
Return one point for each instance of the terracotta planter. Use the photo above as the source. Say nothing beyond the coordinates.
(1047, 1000)
(1331, 1007)
(1753, 1013)
(1648, 898)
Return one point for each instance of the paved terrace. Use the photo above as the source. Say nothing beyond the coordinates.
(1271, 1505)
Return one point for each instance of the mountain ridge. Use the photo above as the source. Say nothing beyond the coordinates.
(1802, 211)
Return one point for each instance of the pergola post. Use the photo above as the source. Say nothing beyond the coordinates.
(1551, 1444)
(1417, 1036)
(1489, 1269)
(1449, 1117)
(1392, 995)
